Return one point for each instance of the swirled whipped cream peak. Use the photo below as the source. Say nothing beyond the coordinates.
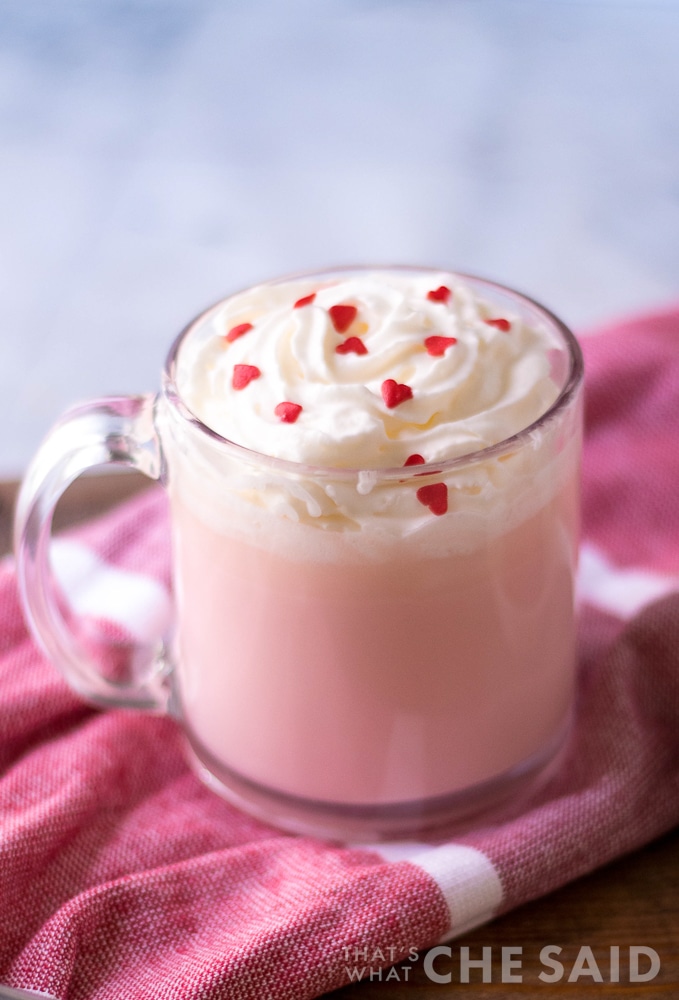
(368, 370)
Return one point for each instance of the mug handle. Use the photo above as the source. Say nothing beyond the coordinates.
(118, 430)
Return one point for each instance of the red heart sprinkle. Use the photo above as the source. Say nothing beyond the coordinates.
(342, 317)
(437, 346)
(237, 331)
(305, 301)
(441, 294)
(243, 375)
(287, 413)
(501, 324)
(435, 497)
(413, 460)
(351, 344)
(394, 393)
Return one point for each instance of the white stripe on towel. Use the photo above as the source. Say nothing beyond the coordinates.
(138, 603)
(468, 880)
(620, 591)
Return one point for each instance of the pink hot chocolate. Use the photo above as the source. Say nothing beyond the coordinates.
(364, 645)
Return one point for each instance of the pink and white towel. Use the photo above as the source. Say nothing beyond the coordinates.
(120, 875)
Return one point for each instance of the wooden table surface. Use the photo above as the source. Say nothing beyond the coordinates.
(631, 902)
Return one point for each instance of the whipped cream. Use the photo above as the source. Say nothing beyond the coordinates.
(366, 370)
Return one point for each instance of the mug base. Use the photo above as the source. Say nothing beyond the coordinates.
(487, 802)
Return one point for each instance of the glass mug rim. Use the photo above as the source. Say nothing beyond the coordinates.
(567, 393)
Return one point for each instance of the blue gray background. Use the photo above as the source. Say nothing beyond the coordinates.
(157, 154)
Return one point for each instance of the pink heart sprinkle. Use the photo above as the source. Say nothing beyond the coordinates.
(243, 375)
(501, 324)
(305, 301)
(237, 331)
(351, 345)
(287, 412)
(395, 393)
(413, 460)
(435, 497)
(440, 294)
(437, 346)
(342, 316)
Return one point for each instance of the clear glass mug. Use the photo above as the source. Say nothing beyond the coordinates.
(344, 677)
